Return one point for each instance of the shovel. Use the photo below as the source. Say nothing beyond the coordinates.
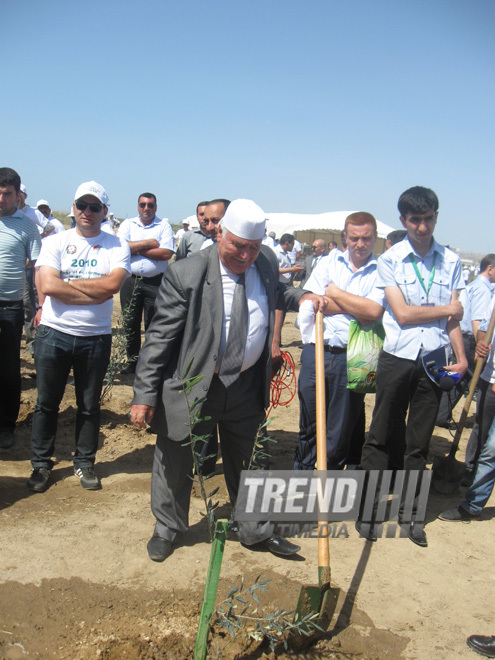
(318, 603)
(447, 472)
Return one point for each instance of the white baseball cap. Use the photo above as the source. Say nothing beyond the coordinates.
(42, 202)
(92, 188)
(245, 219)
(23, 189)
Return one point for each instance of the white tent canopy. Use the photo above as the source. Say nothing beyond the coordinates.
(288, 223)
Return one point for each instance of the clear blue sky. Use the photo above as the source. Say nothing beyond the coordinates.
(302, 106)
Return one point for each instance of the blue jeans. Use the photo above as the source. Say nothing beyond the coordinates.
(11, 320)
(484, 479)
(54, 354)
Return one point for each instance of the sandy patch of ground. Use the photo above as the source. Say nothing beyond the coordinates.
(76, 582)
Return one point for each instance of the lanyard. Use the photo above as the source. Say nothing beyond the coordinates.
(421, 280)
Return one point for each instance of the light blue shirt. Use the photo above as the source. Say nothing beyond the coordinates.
(133, 229)
(478, 297)
(339, 271)
(19, 241)
(395, 269)
(488, 373)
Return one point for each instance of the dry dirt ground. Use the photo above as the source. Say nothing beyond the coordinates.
(76, 582)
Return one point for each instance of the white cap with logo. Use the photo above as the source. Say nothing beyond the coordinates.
(92, 188)
(245, 219)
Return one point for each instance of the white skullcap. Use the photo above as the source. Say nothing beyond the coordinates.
(92, 188)
(245, 219)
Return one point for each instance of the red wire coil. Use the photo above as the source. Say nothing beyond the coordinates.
(283, 385)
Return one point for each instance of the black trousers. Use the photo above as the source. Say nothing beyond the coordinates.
(137, 298)
(11, 320)
(391, 443)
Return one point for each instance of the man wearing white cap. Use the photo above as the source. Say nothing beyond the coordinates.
(30, 297)
(220, 309)
(180, 232)
(77, 274)
(56, 226)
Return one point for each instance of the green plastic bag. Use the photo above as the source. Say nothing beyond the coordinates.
(363, 348)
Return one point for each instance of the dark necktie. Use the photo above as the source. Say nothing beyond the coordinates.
(236, 342)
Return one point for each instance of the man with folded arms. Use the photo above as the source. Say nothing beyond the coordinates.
(77, 274)
(152, 243)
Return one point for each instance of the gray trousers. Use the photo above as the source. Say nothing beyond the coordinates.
(238, 411)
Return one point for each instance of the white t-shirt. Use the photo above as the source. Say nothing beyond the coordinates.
(80, 258)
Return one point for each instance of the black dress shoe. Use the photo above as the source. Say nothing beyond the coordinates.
(415, 532)
(485, 645)
(277, 545)
(366, 530)
(159, 548)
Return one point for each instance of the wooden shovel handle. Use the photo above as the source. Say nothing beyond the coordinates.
(321, 446)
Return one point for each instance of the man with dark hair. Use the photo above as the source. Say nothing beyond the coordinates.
(286, 268)
(349, 281)
(214, 212)
(19, 245)
(421, 280)
(193, 240)
(394, 237)
(218, 315)
(77, 273)
(152, 244)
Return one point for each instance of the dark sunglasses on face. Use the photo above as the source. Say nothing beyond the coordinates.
(94, 208)
(149, 205)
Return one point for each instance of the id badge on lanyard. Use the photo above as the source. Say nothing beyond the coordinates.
(422, 282)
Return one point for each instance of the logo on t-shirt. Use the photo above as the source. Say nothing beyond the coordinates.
(97, 248)
(71, 249)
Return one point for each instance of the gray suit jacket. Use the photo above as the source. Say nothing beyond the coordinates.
(187, 325)
(190, 242)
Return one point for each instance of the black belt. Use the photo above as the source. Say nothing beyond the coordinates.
(156, 280)
(334, 349)
(9, 303)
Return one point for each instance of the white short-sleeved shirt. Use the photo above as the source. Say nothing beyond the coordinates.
(338, 270)
(133, 229)
(284, 261)
(80, 258)
(259, 314)
(396, 269)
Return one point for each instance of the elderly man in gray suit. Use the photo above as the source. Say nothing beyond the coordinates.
(222, 308)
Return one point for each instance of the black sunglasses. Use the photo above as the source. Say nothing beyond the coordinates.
(150, 205)
(94, 208)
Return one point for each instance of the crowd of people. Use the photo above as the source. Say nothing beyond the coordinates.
(218, 309)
